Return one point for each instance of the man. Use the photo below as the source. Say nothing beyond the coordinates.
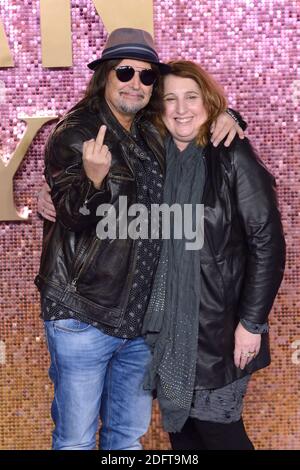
(95, 292)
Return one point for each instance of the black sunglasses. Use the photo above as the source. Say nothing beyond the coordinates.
(126, 73)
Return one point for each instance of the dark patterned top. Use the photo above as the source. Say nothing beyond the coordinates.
(149, 183)
(225, 404)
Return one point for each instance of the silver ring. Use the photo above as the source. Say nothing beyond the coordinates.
(248, 354)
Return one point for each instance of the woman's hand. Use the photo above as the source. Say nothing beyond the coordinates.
(247, 346)
(224, 126)
(45, 205)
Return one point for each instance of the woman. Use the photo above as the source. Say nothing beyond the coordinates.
(207, 317)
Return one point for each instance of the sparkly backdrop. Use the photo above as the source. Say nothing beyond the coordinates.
(253, 48)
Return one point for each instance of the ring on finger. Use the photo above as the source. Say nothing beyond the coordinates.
(248, 354)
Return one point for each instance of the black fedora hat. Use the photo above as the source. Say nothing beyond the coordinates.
(130, 43)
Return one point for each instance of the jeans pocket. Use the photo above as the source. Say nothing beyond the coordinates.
(71, 325)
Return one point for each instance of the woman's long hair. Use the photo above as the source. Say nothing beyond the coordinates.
(213, 97)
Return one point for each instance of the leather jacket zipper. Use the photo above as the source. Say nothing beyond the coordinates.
(92, 250)
(81, 250)
(84, 239)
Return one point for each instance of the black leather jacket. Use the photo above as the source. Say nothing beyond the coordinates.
(87, 275)
(242, 260)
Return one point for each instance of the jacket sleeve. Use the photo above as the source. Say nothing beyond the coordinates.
(260, 218)
(74, 196)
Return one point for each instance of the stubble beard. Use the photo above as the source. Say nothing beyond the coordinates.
(131, 108)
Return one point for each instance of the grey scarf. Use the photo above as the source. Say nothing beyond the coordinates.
(172, 318)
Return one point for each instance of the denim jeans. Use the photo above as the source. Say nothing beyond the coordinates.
(97, 374)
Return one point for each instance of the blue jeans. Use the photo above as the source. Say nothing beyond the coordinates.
(97, 374)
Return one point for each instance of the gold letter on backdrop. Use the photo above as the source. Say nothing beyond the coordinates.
(6, 59)
(56, 33)
(126, 13)
(7, 206)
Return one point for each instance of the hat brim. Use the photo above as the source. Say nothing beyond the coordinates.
(163, 68)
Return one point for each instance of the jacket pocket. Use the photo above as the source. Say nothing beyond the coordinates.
(121, 177)
(71, 325)
(121, 173)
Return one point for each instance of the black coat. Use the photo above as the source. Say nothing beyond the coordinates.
(242, 260)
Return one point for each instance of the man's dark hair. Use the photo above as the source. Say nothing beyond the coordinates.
(96, 87)
(94, 93)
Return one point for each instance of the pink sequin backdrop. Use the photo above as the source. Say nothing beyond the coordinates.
(253, 48)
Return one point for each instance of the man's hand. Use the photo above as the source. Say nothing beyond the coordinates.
(96, 158)
(45, 205)
(224, 126)
(247, 346)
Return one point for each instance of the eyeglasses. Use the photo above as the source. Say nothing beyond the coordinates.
(126, 73)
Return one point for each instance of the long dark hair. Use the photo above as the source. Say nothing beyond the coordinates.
(94, 93)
